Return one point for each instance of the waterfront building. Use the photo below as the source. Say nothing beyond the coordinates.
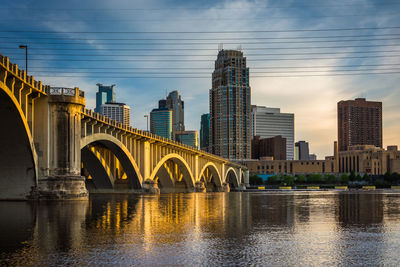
(270, 122)
(303, 150)
(205, 131)
(161, 122)
(104, 94)
(230, 133)
(175, 103)
(274, 147)
(189, 138)
(292, 167)
(369, 159)
(312, 157)
(116, 111)
(359, 123)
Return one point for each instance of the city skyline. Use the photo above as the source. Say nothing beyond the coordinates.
(310, 98)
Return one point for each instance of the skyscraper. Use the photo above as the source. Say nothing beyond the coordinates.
(269, 147)
(359, 123)
(189, 138)
(270, 122)
(204, 131)
(161, 122)
(175, 103)
(304, 151)
(116, 111)
(104, 94)
(230, 133)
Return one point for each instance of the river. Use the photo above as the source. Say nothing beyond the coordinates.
(205, 229)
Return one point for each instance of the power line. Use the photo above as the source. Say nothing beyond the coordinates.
(207, 60)
(202, 43)
(191, 55)
(198, 49)
(200, 73)
(211, 68)
(198, 39)
(196, 32)
(206, 77)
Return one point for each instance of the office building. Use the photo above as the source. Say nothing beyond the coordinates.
(359, 123)
(303, 150)
(270, 122)
(175, 103)
(189, 138)
(312, 157)
(230, 133)
(161, 122)
(274, 147)
(105, 94)
(369, 159)
(204, 131)
(116, 111)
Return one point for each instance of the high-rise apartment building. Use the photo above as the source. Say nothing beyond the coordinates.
(161, 122)
(303, 150)
(204, 131)
(116, 111)
(230, 133)
(359, 123)
(270, 122)
(189, 138)
(274, 147)
(105, 94)
(175, 103)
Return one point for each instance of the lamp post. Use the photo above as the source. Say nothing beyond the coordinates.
(147, 117)
(26, 57)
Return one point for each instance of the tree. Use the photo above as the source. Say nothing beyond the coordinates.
(301, 179)
(366, 178)
(330, 179)
(273, 180)
(344, 179)
(255, 180)
(359, 178)
(287, 180)
(352, 176)
(314, 178)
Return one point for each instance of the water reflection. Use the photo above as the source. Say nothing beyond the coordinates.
(309, 228)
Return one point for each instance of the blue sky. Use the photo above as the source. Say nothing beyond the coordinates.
(103, 40)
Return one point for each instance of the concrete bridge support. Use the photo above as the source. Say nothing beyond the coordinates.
(61, 172)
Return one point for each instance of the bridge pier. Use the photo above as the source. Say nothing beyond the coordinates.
(149, 186)
(61, 178)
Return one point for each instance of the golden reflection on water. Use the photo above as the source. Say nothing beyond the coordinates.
(207, 229)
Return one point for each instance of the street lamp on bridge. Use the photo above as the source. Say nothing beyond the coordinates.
(26, 57)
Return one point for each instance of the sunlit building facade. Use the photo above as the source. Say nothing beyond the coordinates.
(104, 94)
(161, 122)
(117, 111)
(189, 138)
(230, 133)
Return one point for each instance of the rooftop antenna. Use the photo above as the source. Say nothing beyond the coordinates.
(220, 46)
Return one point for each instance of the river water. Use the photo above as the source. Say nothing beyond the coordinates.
(205, 229)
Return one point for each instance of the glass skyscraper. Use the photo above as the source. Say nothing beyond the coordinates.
(161, 122)
(230, 133)
(105, 94)
(189, 138)
(175, 103)
(205, 131)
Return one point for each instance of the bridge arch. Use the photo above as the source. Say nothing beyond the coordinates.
(18, 158)
(216, 179)
(168, 184)
(232, 178)
(121, 152)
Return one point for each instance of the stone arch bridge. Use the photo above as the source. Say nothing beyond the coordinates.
(52, 147)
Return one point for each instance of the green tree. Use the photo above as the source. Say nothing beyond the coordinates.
(287, 180)
(273, 180)
(255, 180)
(352, 176)
(301, 179)
(331, 179)
(344, 179)
(359, 178)
(366, 178)
(314, 178)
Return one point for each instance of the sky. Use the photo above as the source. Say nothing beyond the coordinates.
(304, 55)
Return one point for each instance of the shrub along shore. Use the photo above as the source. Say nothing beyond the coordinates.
(328, 180)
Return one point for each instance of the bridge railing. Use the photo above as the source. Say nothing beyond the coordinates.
(65, 91)
(21, 74)
(146, 134)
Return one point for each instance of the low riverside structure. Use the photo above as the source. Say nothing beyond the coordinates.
(363, 159)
